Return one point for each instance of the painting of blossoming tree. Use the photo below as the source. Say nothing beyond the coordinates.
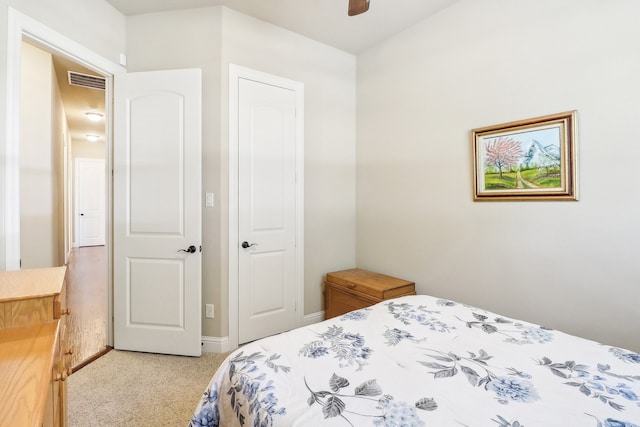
(528, 159)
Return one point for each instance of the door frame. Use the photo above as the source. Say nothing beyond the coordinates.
(237, 72)
(22, 27)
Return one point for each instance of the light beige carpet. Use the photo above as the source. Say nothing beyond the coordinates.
(138, 389)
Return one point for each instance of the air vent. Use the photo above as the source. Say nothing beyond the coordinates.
(86, 80)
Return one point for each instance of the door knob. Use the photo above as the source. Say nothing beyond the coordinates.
(191, 249)
(246, 244)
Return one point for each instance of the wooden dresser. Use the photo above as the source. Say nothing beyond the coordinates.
(33, 353)
(353, 289)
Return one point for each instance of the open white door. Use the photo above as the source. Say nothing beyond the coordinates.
(157, 212)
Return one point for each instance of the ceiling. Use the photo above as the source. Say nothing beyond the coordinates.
(78, 101)
(323, 20)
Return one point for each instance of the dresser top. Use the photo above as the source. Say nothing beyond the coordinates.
(31, 283)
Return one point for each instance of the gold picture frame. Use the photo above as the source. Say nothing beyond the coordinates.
(532, 159)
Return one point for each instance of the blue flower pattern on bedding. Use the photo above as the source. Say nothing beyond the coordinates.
(384, 411)
(502, 422)
(529, 334)
(624, 355)
(395, 336)
(349, 348)
(512, 389)
(506, 388)
(209, 415)
(408, 314)
(611, 422)
(471, 362)
(249, 394)
(593, 385)
(357, 315)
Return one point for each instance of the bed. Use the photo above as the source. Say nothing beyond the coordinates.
(423, 361)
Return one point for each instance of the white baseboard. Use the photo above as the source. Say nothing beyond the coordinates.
(221, 344)
(215, 344)
(310, 319)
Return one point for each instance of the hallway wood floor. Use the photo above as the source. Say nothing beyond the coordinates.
(87, 299)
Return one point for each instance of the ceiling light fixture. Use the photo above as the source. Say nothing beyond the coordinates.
(94, 117)
(92, 138)
(356, 7)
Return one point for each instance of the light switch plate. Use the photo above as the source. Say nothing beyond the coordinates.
(209, 311)
(208, 200)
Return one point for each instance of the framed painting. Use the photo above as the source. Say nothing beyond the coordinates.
(533, 159)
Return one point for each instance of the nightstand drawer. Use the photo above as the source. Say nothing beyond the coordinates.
(354, 289)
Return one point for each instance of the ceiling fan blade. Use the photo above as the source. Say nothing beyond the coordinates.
(356, 7)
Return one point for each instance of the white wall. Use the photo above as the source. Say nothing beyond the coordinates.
(94, 24)
(328, 75)
(191, 39)
(210, 39)
(39, 162)
(59, 136)
(568, 265)
(87, 149)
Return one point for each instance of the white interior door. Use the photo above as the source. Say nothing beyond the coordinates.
(157, 212)
(90, 198)
(268, 218)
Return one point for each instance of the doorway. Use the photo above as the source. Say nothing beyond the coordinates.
(62, 191)
(23, 28)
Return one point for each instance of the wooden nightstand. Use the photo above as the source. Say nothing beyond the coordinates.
(353, 289)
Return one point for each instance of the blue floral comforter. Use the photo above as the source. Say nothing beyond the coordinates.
(423, 361)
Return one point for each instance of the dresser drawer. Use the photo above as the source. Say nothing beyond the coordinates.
(340, 301)
(28, 365)
(26, 311)
(33, 360)
(28, 297)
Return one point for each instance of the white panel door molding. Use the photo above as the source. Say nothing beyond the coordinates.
(266, 256)
(157, 212)
(90, 202)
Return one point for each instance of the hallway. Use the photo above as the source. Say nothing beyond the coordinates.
(87, 299)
